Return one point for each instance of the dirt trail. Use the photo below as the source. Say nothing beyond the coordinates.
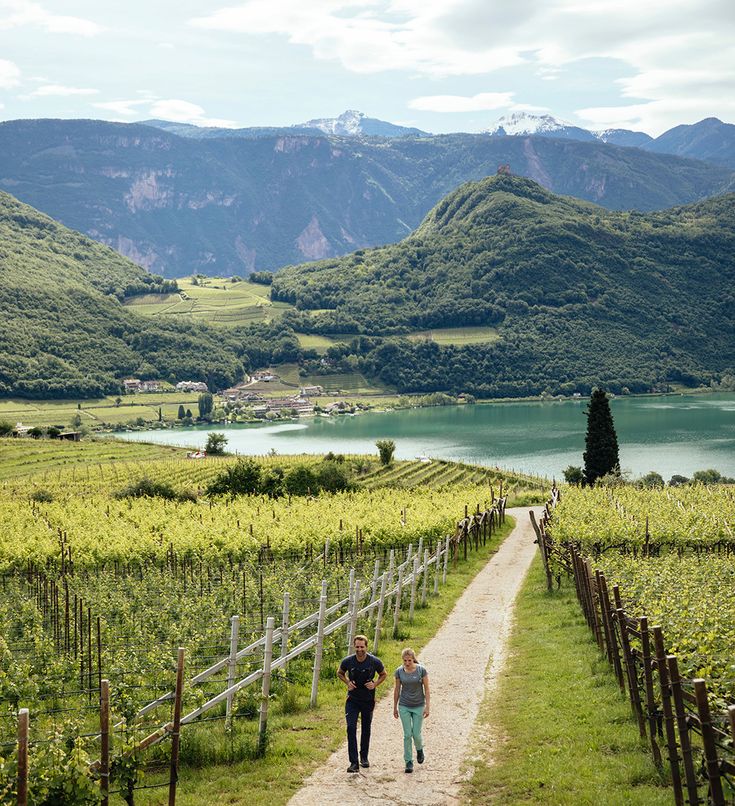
(463, 660)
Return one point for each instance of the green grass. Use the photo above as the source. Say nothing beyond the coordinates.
(214, 300)
(458, 336)
(302, 739)
(23, 457)
(310, 341)
(561, 731)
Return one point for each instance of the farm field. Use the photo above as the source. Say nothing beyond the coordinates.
(95, 584)
(215, 301)
(457, 336)
(667, 559)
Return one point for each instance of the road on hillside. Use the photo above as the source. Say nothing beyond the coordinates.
(463, 659)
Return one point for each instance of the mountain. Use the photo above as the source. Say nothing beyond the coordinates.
(624, 137)
(63, 330)
(218, 132)
(349, 124)
(355, 124)
(229, 205)
(579, 295)
(710, 140)
(524, 124)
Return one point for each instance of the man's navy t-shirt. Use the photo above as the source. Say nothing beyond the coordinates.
(361, 673)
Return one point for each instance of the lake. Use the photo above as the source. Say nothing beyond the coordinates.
(668, 434)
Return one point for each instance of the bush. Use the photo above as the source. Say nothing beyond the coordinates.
(651, 481)
(215, 444)
(300, 480)
(574, 475)
(241, 478)
(386, 448)
(333, 477)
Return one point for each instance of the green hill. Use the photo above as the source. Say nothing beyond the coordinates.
(579, 294)
(228, 205)
(62, 328)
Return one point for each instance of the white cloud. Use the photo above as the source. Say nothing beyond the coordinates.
(9, 74)
(655, 41)
(483, 101)
(186, 112)
(60, 90)
(17, 13)
(172, 109)
(124, 109)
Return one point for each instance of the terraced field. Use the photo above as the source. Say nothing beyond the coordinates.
(215, 301)
(436, 473)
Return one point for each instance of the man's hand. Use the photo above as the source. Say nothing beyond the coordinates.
(350, 685)
(370, 685)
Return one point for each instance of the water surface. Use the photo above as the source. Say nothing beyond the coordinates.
(669, 434)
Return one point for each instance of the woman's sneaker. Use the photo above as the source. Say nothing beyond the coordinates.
(420, 756)
(409, 766)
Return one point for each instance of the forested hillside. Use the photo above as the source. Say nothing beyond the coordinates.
(229, 205)
(64, 333)
(580, 295)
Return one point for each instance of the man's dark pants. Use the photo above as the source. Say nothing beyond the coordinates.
(365, 711)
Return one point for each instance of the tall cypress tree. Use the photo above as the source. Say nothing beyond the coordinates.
(601, 443)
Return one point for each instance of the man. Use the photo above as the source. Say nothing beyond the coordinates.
(358, 672)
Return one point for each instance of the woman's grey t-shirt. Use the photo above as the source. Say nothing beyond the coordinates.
(412, 687)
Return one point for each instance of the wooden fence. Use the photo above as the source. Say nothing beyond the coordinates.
(400, 583)
(673, 713)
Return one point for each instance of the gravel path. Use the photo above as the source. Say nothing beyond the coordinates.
(463, 660)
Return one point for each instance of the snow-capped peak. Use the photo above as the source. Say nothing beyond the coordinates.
(522, 123)
(349, 123)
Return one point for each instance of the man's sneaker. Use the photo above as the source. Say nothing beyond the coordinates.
(409, 766)
(420, 756)
(364, 761)
(354, 767)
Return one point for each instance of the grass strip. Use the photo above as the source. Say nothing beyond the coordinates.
(301, 739)
(557, 728)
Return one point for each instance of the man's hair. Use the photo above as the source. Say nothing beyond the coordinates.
(360, 638)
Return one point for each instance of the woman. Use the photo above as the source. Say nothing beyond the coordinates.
(411, 702)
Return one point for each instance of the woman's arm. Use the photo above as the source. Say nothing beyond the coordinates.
(427, 695)
(396, 695)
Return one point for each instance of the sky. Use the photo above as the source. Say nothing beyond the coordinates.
(439, 65)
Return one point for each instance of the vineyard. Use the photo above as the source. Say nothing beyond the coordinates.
(655, 575)
(98, 587)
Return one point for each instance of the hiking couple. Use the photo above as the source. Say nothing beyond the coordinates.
(410, 701)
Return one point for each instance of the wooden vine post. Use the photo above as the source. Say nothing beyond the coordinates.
(399, 595)
(414, 576)
(711, 764)
(425, 578)
(663, 674)
(266, 685)
(232, 665)
(23, 757)
(379, 617)
(650, 698)
(319, 645)
(682, 722)
(437, 566)
(105, 741)
(176, 729)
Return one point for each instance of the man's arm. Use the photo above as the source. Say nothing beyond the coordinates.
(343, 677)
(373, 684)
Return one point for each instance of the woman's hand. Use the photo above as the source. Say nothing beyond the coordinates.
(426, 712)
(395, 713)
